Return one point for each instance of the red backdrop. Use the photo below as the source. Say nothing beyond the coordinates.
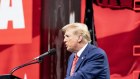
(13, 54)
(117, 32)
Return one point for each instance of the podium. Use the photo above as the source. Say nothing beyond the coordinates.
(8, 76)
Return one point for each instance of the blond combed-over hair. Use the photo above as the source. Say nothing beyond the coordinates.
(79, 28)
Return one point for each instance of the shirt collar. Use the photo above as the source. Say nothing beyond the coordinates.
(81, 50)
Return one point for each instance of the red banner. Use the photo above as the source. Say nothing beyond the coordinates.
(15, 21)
(19, 42)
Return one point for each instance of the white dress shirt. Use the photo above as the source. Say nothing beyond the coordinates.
(81, 50)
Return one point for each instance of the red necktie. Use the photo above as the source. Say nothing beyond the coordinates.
(74, 64)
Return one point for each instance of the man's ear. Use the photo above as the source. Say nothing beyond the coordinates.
(80, 38)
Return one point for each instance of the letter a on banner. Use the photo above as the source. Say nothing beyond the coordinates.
(12, 13)
(15, 21)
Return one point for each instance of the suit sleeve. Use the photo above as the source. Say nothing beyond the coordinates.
(92, 66)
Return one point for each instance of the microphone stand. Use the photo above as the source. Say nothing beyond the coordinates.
(34, 61)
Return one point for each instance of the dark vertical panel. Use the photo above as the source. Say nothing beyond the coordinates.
(55, 14)
(89, 20)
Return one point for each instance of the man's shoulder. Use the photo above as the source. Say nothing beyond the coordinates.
(92, 49)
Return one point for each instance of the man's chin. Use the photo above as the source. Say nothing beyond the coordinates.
(70, 50)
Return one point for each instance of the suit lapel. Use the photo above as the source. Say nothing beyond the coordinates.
(82, 57)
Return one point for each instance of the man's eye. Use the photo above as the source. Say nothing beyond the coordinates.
(66, 35)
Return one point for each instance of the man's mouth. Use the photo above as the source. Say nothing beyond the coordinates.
(66, 45)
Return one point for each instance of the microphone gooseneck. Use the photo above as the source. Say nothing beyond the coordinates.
(34, 61)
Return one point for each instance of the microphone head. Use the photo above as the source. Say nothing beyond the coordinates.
(52, 51)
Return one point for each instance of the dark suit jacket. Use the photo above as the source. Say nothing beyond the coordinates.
(92, 64)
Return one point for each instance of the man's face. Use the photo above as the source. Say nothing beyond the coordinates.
(70, 40)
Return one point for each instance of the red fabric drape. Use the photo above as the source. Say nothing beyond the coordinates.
(117, 32)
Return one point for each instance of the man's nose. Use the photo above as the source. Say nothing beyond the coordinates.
(64, 40)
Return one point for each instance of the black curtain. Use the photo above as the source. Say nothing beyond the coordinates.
(55, 14)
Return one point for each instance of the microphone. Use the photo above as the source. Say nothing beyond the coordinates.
(50, 52)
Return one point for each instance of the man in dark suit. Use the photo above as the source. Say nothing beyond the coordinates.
(86, 61)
